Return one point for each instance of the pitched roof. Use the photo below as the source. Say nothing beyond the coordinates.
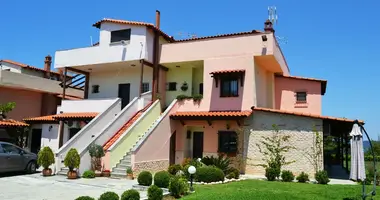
(303, 114)
(75, 115)
(149, 25)
(213, 114)
(11, 123)
(323, 82)
(48, 118)
(27, 66)
(253, 32)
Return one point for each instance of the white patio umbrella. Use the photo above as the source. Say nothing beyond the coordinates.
(357, 171)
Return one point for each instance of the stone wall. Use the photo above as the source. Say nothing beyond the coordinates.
(300, 129)
(152, 166)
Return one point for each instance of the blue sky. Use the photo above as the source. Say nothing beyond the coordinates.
(334, 40)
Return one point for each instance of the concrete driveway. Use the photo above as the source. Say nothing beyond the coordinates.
(37, 187)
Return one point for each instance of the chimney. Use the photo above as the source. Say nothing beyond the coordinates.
(60, 71)
(47, 66)
(158, 14)
(268, 26)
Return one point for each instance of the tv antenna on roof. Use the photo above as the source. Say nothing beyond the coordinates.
(272, 14)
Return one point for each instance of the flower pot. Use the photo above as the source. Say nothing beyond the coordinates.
(98, 173)
(106, 173)
(46, 172)
(72, 175)
(130, 176)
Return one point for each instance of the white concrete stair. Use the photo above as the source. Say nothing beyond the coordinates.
(120, 171)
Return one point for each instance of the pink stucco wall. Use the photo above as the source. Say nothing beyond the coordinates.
(28, 103)
(285, 91)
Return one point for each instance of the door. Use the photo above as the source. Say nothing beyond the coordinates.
(36, 140)
(15, 161)
(197, 144)
(172, 148)
(124, 92)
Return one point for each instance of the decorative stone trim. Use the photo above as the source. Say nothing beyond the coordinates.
(152, 166)
(220, 182)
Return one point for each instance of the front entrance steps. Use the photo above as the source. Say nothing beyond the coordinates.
(120, 171)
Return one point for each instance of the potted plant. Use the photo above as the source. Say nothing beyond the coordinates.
(129, 173)
(106, 173)
(72, 161)
(45, 159)
(96, 152)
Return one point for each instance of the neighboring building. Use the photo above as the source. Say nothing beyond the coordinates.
(161, 100)
(36, 91)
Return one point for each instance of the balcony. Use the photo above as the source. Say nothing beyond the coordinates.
(97, 55)
(27, 82)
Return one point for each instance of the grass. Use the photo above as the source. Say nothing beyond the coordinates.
(257, 189)
(367, 164)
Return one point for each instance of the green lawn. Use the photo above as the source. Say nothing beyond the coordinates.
(257, 189)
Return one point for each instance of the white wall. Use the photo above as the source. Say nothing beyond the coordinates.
(50, 138)
(88, 105)
(109, 82)
(106, 52)
(12, 67)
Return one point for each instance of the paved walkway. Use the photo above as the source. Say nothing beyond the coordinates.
(36, 187)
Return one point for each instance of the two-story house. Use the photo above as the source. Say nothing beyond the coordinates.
(159, 100)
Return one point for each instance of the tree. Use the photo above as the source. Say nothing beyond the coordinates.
(315, 152)
(273, 148)
(6, 108)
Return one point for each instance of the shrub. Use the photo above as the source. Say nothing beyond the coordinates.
(45, 157)
(109, 196)
(84, 198)
(72, 159)
(271, 173)
(221, 162)
(145, 178)
(88, 174)
(178, 186)
(322, 177)
(303, 177)
(162, 179)
(129, 170)
(186, 172)
(287, 176)
(131, 194)
(209, 174)
(234, 173)
(96, 152)
(155, 193)
(186, 161)
(173, 169)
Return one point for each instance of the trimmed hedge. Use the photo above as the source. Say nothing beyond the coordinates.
(162, 179)
(209, 174)
(131, 194)
(145, 178)
(109, 196)
(85, 198)
(155, 193)
(88, 174)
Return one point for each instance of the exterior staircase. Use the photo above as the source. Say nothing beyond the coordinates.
(120, 171)
(63, 171)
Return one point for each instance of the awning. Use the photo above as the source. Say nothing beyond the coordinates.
(231, 71)
(11, 123)
(42, 119)
(61, 116)
(210, 115)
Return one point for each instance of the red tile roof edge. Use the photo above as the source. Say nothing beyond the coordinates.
(11, 123)
(27, 66)
(253, 32)
(228, 71)
(245, 113)
(76, 115)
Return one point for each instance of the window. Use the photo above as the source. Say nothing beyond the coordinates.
(201, 88)
(227, 142)
(145, 87)
(229, 87)
(73, 132)
(118, 36)
(7, 148)
(301, 96)
(171, 86)
(95, 89)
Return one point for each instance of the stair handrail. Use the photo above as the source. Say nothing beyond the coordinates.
(151, 129)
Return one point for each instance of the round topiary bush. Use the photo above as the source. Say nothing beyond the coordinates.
(233, 173)
(209, 174)
(322, 177)
(303, 177)
(72, 159)
(109, 196)
(271, 173)
(88, 174)
(145, 178)
(85, 198)
(45, 157)
(131, 194)
(162, 179)
(155, 193)
(287, 176)
(173, 169)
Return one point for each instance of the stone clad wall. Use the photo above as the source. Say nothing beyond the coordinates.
(301, 134)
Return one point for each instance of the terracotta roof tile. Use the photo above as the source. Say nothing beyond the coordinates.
(303, 114)
(75, 115)
(213, 114)
(11, 123)
(27, 66)
(118, 21)
(48, 118)
(229, 71)
(323, 82)
(253, 32)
